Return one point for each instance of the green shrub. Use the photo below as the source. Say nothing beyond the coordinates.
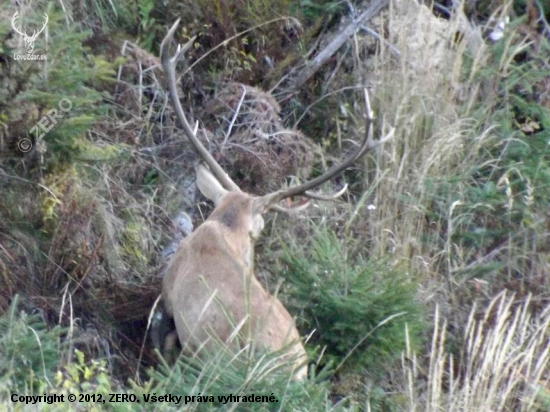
(69, 81)
(496, 206)
(29, 352)
(222, 374)
(360, 309)
(90, 383)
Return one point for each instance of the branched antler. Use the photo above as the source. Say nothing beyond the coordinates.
(169, 63)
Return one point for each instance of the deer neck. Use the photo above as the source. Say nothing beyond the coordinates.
(241, 246)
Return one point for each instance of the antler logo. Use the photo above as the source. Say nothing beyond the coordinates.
(29, 40)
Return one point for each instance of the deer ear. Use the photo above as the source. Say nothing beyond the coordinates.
(209, 185)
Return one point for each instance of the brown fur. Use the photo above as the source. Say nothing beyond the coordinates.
(209, 286)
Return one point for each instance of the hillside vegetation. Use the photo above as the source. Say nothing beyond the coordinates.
(426, 287)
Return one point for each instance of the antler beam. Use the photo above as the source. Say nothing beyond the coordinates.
(169, 63)
(366, 146)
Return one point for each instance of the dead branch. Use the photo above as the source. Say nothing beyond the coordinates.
(310, 68)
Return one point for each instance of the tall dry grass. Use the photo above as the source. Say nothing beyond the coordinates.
(502, 364)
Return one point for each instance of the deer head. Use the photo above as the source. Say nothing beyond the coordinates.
(29, 40)
(209, 288)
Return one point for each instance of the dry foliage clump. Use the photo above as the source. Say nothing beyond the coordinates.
(251, 134)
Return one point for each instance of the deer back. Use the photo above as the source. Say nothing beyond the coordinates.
(209, 287)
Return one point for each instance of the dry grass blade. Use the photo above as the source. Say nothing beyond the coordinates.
(504, 364)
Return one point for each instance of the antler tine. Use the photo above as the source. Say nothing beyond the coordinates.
(333, 196)
(310, 195)
(290, 210)
(169, 63)
(366, 146)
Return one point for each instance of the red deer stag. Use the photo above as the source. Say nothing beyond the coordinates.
(209, 288)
